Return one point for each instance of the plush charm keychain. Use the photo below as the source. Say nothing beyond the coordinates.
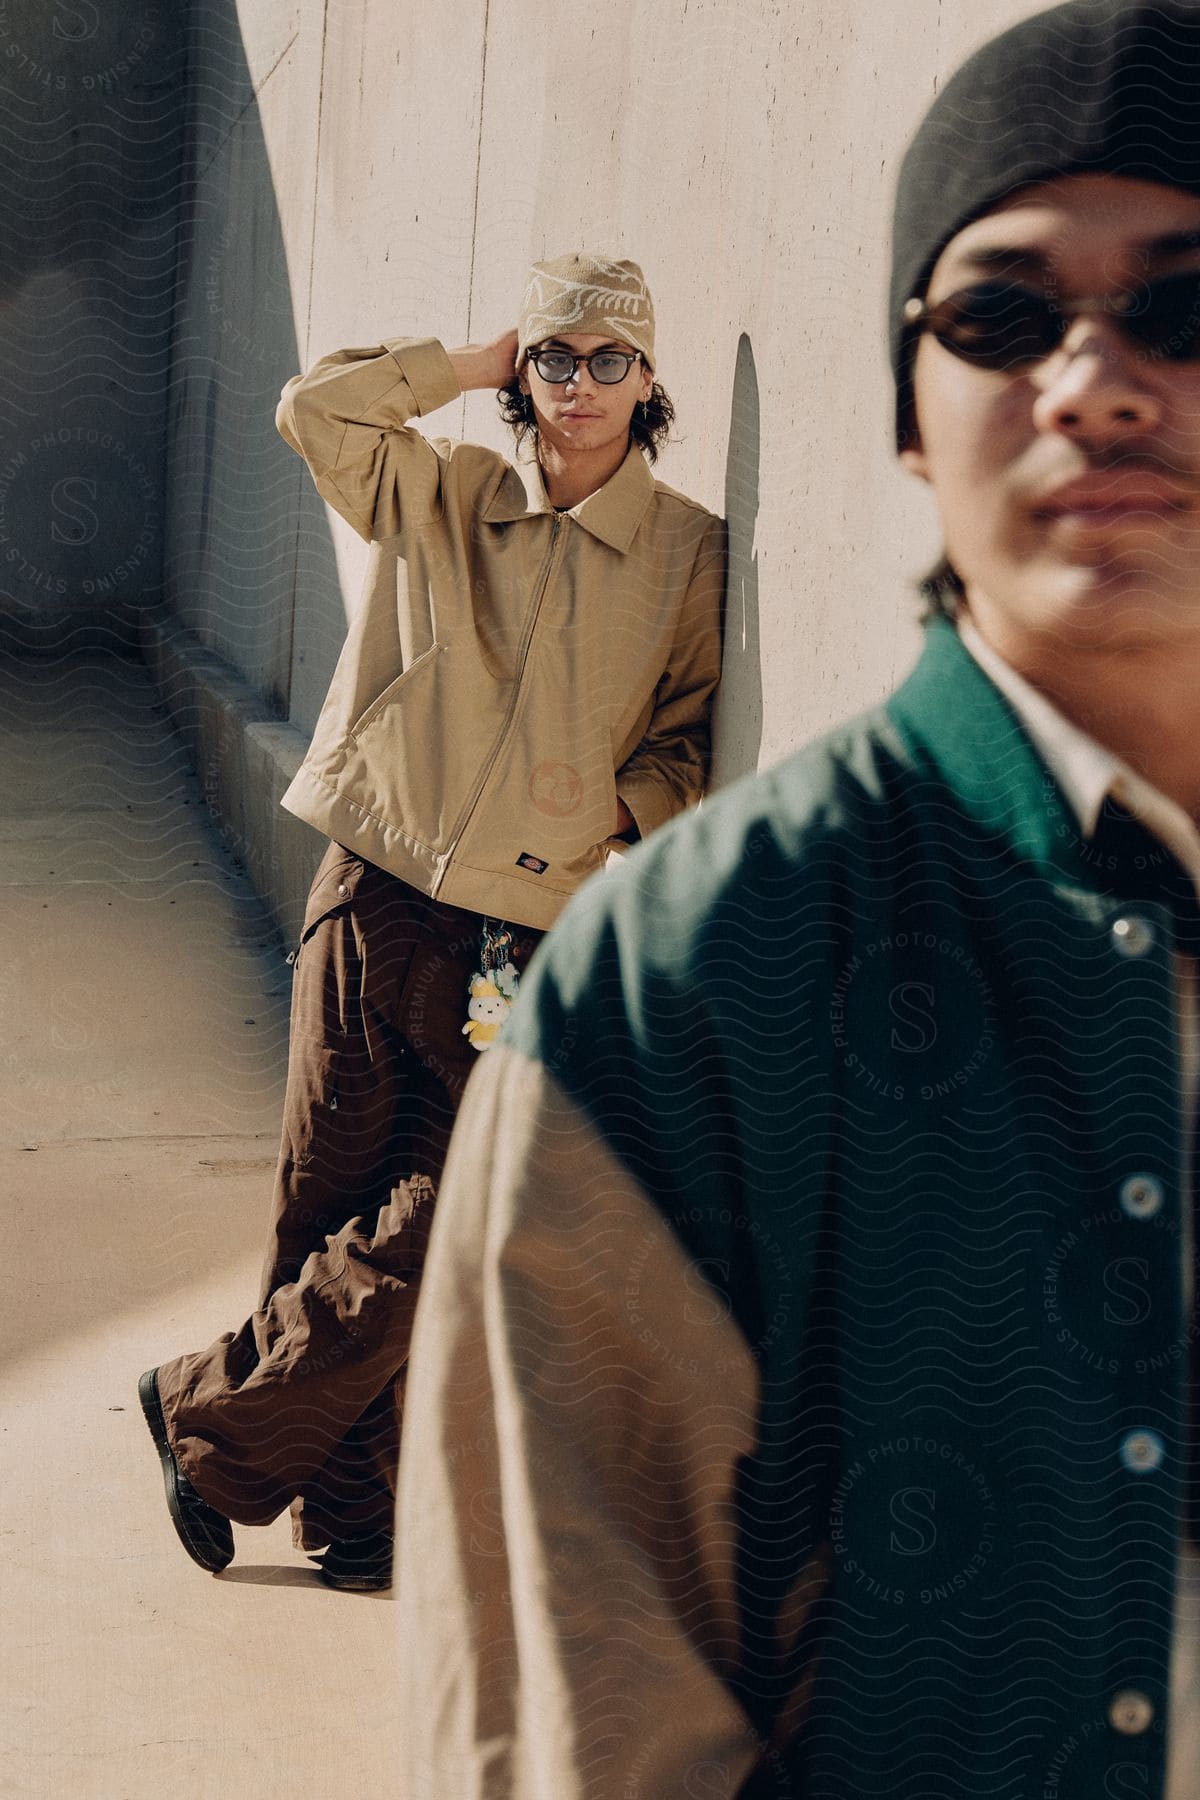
(493, 990)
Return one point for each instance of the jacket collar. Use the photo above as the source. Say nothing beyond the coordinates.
(1085, 771)
(958, 724)
(612, 514)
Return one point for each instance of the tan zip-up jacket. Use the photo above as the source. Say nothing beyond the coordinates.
(512, 670)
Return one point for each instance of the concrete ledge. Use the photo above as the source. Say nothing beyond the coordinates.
(244, 761)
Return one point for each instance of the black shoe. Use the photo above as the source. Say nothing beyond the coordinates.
(205, 1534)
(360, 1565)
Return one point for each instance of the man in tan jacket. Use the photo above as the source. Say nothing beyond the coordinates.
(526, 684)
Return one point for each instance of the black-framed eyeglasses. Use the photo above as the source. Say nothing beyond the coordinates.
(608, 367)
(1003, 325)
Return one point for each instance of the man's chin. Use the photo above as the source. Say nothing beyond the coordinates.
(581, 439)
(1096, 608)
(1118, 608)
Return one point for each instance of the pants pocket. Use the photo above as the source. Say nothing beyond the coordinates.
(333, 889)
(311, 1103)
(326, 1003)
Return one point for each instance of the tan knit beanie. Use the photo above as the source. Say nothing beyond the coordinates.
(585, 293)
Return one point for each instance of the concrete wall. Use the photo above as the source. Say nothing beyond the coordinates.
(92, 99)
(366, 171)
(239, 526)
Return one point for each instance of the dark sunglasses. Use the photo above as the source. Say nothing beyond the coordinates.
(1002, 325)
(608, 367)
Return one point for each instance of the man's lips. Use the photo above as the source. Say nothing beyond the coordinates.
(1115, 495)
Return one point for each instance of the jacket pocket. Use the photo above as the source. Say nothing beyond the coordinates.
(394, 688)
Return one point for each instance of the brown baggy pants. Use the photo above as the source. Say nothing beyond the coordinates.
(302, 1404)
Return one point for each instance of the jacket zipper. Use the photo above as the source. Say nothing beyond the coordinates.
(473, 798)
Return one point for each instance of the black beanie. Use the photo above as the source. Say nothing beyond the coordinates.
(1109, 86)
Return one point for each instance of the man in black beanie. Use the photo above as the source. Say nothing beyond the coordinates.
(802, 1403)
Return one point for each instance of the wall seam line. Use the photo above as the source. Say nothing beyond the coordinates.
(312, 241)
(487, 10)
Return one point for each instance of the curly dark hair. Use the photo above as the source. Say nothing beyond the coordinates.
(941, 590)
(649, 428)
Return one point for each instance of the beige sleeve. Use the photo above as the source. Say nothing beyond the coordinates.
(347, 419)
(669, 768)
(577, 1403)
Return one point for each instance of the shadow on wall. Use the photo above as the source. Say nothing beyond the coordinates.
(92, 97)
(737, 731)
(247, 540)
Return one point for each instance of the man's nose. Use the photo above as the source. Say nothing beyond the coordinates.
(581, 378)
(1093, 386)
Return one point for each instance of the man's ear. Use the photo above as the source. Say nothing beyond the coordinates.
(913, 458)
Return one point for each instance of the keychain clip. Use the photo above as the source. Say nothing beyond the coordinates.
(493, 988)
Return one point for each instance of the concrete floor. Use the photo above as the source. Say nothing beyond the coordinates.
(143, 1002)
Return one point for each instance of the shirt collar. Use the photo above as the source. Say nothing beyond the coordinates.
(1085, 770)
(612, 514)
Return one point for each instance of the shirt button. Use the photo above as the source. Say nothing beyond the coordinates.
(1130, 1713)
(343, 891)
(1133, 936)
(1141, 1196)
(1142, 1452)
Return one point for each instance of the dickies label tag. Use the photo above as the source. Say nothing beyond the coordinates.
(535, 865)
